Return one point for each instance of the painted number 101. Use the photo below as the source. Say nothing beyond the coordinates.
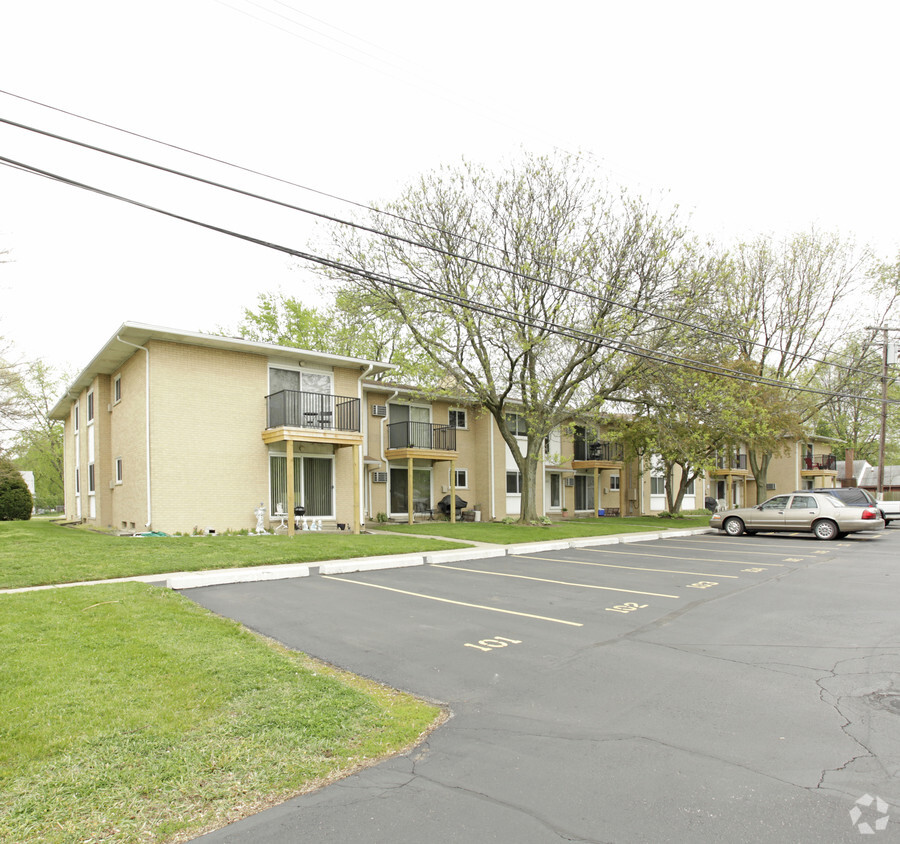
(493, 644)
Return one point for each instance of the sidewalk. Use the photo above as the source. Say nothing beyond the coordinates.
(478, 551)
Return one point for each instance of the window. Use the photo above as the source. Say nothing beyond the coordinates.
(657, 485)
(77, 480)
(117, 389)
(75, 416)
(462, 479)
(118, 470)
(689, 489)
(91, 486)
(90, 407)
(779, 502)
(517, 424)
(305, 381)
(803, 502)
(614, 483)
(513, 483)
(458, 419)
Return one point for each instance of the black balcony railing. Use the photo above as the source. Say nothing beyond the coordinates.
(421, 435)
(827, 462)
(731, 461)
(598, 451)
(295, 409)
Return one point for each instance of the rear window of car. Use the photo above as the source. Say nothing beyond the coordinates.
(804, 502)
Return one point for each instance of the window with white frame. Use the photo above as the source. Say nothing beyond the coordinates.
(458, 418)
(119, 472)
(90, 407)
(614, 483)
(75, 416)
(517, 424)
(657, 477)
(462, 479)
(91, 485)
(77, 480)
(117, 389)
(300, 380)
(513, 483)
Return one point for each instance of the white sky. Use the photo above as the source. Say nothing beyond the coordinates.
(758, 118)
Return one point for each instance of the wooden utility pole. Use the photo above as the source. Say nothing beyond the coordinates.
(884, 402)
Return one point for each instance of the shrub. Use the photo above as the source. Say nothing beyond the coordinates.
(15, 499)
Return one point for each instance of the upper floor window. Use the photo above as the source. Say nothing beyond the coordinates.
(300, 380)
(90, 407)
(458, 419)
(75, 415)
(117, 389)
(517, 424)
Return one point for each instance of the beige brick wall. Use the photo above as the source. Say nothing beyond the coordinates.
(128, 440)
(209, 465)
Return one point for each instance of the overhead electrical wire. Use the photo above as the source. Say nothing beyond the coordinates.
(378, 232)
(455, 300)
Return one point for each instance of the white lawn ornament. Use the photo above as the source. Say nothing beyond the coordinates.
(260, 513)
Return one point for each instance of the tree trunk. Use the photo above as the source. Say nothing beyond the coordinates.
(528, 506)
(759, 465)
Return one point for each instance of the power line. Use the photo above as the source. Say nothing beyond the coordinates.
(451, 299)
(381, 233)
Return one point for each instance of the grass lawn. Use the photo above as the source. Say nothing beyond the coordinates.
(508, 534)
(38, 552)
(130, 714)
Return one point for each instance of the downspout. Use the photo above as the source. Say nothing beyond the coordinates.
(364, 427)
(387, 465)
(146, 422)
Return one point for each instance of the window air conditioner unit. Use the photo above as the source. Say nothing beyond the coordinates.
(379, 410)
(379, 477)
(569, 482)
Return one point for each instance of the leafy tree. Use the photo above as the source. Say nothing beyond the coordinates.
(787, 304)
(15, 499)
(530, 289)
(12, 414)
(343, 326)
(38, 444)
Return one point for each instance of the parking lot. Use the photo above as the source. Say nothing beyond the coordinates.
(697, 688)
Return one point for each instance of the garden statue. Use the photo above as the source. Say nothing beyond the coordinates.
(260, 513)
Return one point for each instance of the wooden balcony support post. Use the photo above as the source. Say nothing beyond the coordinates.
(409, 489)
(453, 492)
(289, 444)
(357, 449)
(597, 491)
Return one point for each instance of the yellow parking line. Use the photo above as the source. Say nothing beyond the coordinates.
(448, 601)
(558, 582)
(670, 557)
(613, 566)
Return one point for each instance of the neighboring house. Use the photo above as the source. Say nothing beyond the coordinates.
(28, 477)
(866, 476)
(178, 431)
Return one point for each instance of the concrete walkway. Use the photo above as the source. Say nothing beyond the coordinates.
(478, 551)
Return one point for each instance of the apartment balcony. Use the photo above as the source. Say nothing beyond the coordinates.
(602, 455)
(730, 464)
(312, 417)
(817, 465)
(421, 440)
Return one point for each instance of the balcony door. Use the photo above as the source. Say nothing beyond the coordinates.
(399, 490)
(418, 427)
(313, 484)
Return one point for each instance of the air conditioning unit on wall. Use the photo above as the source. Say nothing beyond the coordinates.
(379, 477)
(379, 410)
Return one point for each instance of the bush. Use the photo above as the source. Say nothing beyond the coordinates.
(15, 499)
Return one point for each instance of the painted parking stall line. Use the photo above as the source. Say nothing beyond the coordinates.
(556, 582)
(451, 601)
(616, 566)
(669, 556)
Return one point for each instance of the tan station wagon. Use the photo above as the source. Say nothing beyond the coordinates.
(823, 515)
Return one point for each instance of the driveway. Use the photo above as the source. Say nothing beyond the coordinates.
(701, 689)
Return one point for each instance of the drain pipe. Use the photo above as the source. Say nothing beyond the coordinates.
(146, 421)
(364, 428)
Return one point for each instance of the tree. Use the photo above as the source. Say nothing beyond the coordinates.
(15, 499)
(787, 304)
(343, 326)
(38, 444)
(12, 413)
(535, 290)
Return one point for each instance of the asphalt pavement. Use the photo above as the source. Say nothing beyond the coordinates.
(693, 688)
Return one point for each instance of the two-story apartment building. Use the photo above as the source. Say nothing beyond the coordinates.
(180, 432)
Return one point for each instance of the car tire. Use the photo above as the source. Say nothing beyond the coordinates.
(826, 529)
(733, 526)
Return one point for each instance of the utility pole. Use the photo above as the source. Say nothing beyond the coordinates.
(884, 401)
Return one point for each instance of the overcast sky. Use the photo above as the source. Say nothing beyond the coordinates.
(757, 118)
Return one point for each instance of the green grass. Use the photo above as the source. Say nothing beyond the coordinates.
(509, 534)
(128, 713)
(38, 552)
